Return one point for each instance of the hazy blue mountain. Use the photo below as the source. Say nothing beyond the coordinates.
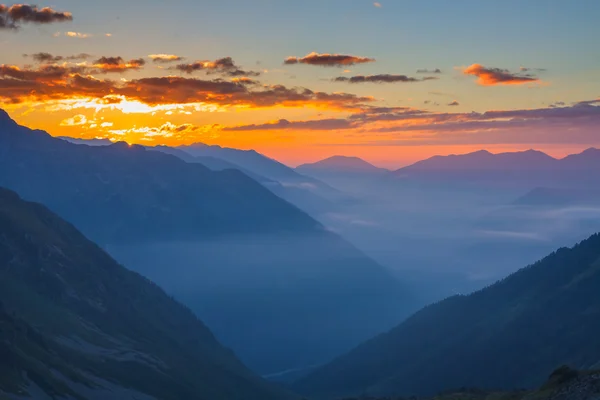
(524, 170)
(340, 164)
(586, 160)
(75, 324)
(484, 160)
(307, 196)
(259, 271)
(89, 142)
(248, 159)
(509, 335)
(262, 165)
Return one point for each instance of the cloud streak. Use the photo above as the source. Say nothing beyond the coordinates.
(382, 78)
(164, 58)
(47, 58)
(328, 60)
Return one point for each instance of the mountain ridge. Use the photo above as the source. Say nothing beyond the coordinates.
(542, 316)
(91, 326)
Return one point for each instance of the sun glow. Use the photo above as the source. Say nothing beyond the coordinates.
(128, 106)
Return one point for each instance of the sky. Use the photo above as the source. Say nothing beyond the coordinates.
(392, 82)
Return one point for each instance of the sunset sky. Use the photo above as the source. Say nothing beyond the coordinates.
(392, 81)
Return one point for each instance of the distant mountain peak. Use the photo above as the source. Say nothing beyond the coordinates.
(340, 163)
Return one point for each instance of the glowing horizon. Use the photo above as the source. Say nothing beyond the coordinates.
(302, 96)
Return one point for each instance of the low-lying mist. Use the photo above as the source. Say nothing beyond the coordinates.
(280, 302)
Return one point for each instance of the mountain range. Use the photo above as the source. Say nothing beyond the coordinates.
(75, 324)
(526, 168)
(509, 335)
(255, 268)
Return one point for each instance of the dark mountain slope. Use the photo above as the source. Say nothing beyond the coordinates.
(563, 384)
(509, 335)
(74, 322)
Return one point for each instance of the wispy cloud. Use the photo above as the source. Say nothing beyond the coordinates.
(328, 60)
(165, 58)
(382, 78)
(44, 57)
(78, 35)
(429, 71)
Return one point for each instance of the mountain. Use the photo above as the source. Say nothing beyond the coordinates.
(483, 160)
(75, 324)
(126, 193)
(341, 164)
(509, 335)
(89, 142)
(271, 282)
(517, 170)
(212, 163)
(551, 197)
(563, 384)
(248, 159)
(586, 160)
(261, 165)
(306, 196)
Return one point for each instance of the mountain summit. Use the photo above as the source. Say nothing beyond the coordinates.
(341, 164)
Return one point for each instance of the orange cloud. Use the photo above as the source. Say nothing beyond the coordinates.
(498, 76)
(78, 35)
(328, 60)
(67, 83)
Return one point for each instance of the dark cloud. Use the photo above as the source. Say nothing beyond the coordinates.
(117, 64)
(47, 58)
(429, 71)
(12, 17)
(328, 60)
(382, 78)
(283, 124)
(498, 76)
(454, 103)
(225, 66)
